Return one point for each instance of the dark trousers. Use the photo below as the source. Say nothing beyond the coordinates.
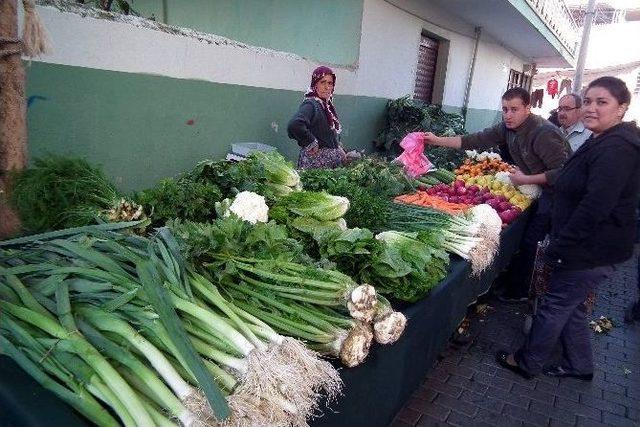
(562, 316)
(518, 276)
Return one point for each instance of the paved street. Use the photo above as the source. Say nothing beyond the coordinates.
(466, 387)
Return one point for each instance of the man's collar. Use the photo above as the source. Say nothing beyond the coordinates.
(577, 127)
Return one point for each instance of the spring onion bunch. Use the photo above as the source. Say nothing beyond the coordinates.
(468, 237)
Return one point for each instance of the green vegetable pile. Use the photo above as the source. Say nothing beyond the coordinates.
(224, 308)
(124, 330)
(368, 184)
(180, 198)
(60, 192)
(405, 115)
(267, 174)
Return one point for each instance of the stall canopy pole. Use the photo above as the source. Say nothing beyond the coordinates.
(13, 125)
(582, 56)
(13, 107)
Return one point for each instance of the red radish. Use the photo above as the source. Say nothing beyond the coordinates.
(503, 206)
(473, 188)
(508, 216)
(504, 217)
(493, 203)
(458, 183)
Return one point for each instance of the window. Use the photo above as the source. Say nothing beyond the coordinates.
(426, 70)
(518, 79)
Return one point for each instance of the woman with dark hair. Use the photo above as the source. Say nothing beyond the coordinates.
(592, 227)
(316, 126)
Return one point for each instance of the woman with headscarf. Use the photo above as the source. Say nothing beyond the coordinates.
(315, 126)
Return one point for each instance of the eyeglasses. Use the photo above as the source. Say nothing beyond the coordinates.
(566, 109)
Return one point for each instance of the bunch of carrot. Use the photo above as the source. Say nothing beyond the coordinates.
(421, 198)
(482, 167)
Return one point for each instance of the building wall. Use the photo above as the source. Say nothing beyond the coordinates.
(331, 33)
(148, 101)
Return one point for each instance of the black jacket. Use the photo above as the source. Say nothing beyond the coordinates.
(310, 124)
(595, 199)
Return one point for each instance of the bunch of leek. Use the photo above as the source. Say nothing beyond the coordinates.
(119, 292)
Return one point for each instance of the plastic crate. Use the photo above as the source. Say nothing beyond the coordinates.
(246, 148)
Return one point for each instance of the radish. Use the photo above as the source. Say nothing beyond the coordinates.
(504, 206)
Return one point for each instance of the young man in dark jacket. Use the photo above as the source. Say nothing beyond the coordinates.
(539, 150)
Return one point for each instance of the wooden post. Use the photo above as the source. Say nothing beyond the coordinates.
(13, 110)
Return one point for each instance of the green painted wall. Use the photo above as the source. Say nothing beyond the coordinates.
(327, 30)
(138, 127)
(477, 118)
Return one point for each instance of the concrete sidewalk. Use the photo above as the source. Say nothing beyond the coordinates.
(467, 387)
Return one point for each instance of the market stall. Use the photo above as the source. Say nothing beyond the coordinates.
(254, 272)
(373, 392)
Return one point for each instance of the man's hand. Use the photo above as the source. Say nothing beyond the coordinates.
(430, 138)
(518, 178)
(442, 141)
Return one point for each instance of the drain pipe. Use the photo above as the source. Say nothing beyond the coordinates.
(165, 12)
(467, 91)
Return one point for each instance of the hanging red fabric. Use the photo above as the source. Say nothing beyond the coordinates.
(552, 87)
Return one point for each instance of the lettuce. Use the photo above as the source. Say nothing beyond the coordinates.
(317, 205)
(277, 169)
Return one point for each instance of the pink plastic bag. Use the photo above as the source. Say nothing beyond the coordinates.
(413, 158)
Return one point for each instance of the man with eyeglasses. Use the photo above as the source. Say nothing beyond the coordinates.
(570, 118)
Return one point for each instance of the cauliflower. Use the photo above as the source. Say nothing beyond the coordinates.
(250, 207)
(530, 191)
(473, 154)
(503, 177)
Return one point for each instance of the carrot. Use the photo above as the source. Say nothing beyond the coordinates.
(423, 199)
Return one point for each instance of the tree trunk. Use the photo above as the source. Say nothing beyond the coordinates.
(13, 125)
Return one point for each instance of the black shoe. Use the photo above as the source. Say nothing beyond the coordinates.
(510, 298)
(501, 358)
(558, 372)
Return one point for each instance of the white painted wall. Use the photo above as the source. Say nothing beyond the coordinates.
(491, 75)
(387, 61)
